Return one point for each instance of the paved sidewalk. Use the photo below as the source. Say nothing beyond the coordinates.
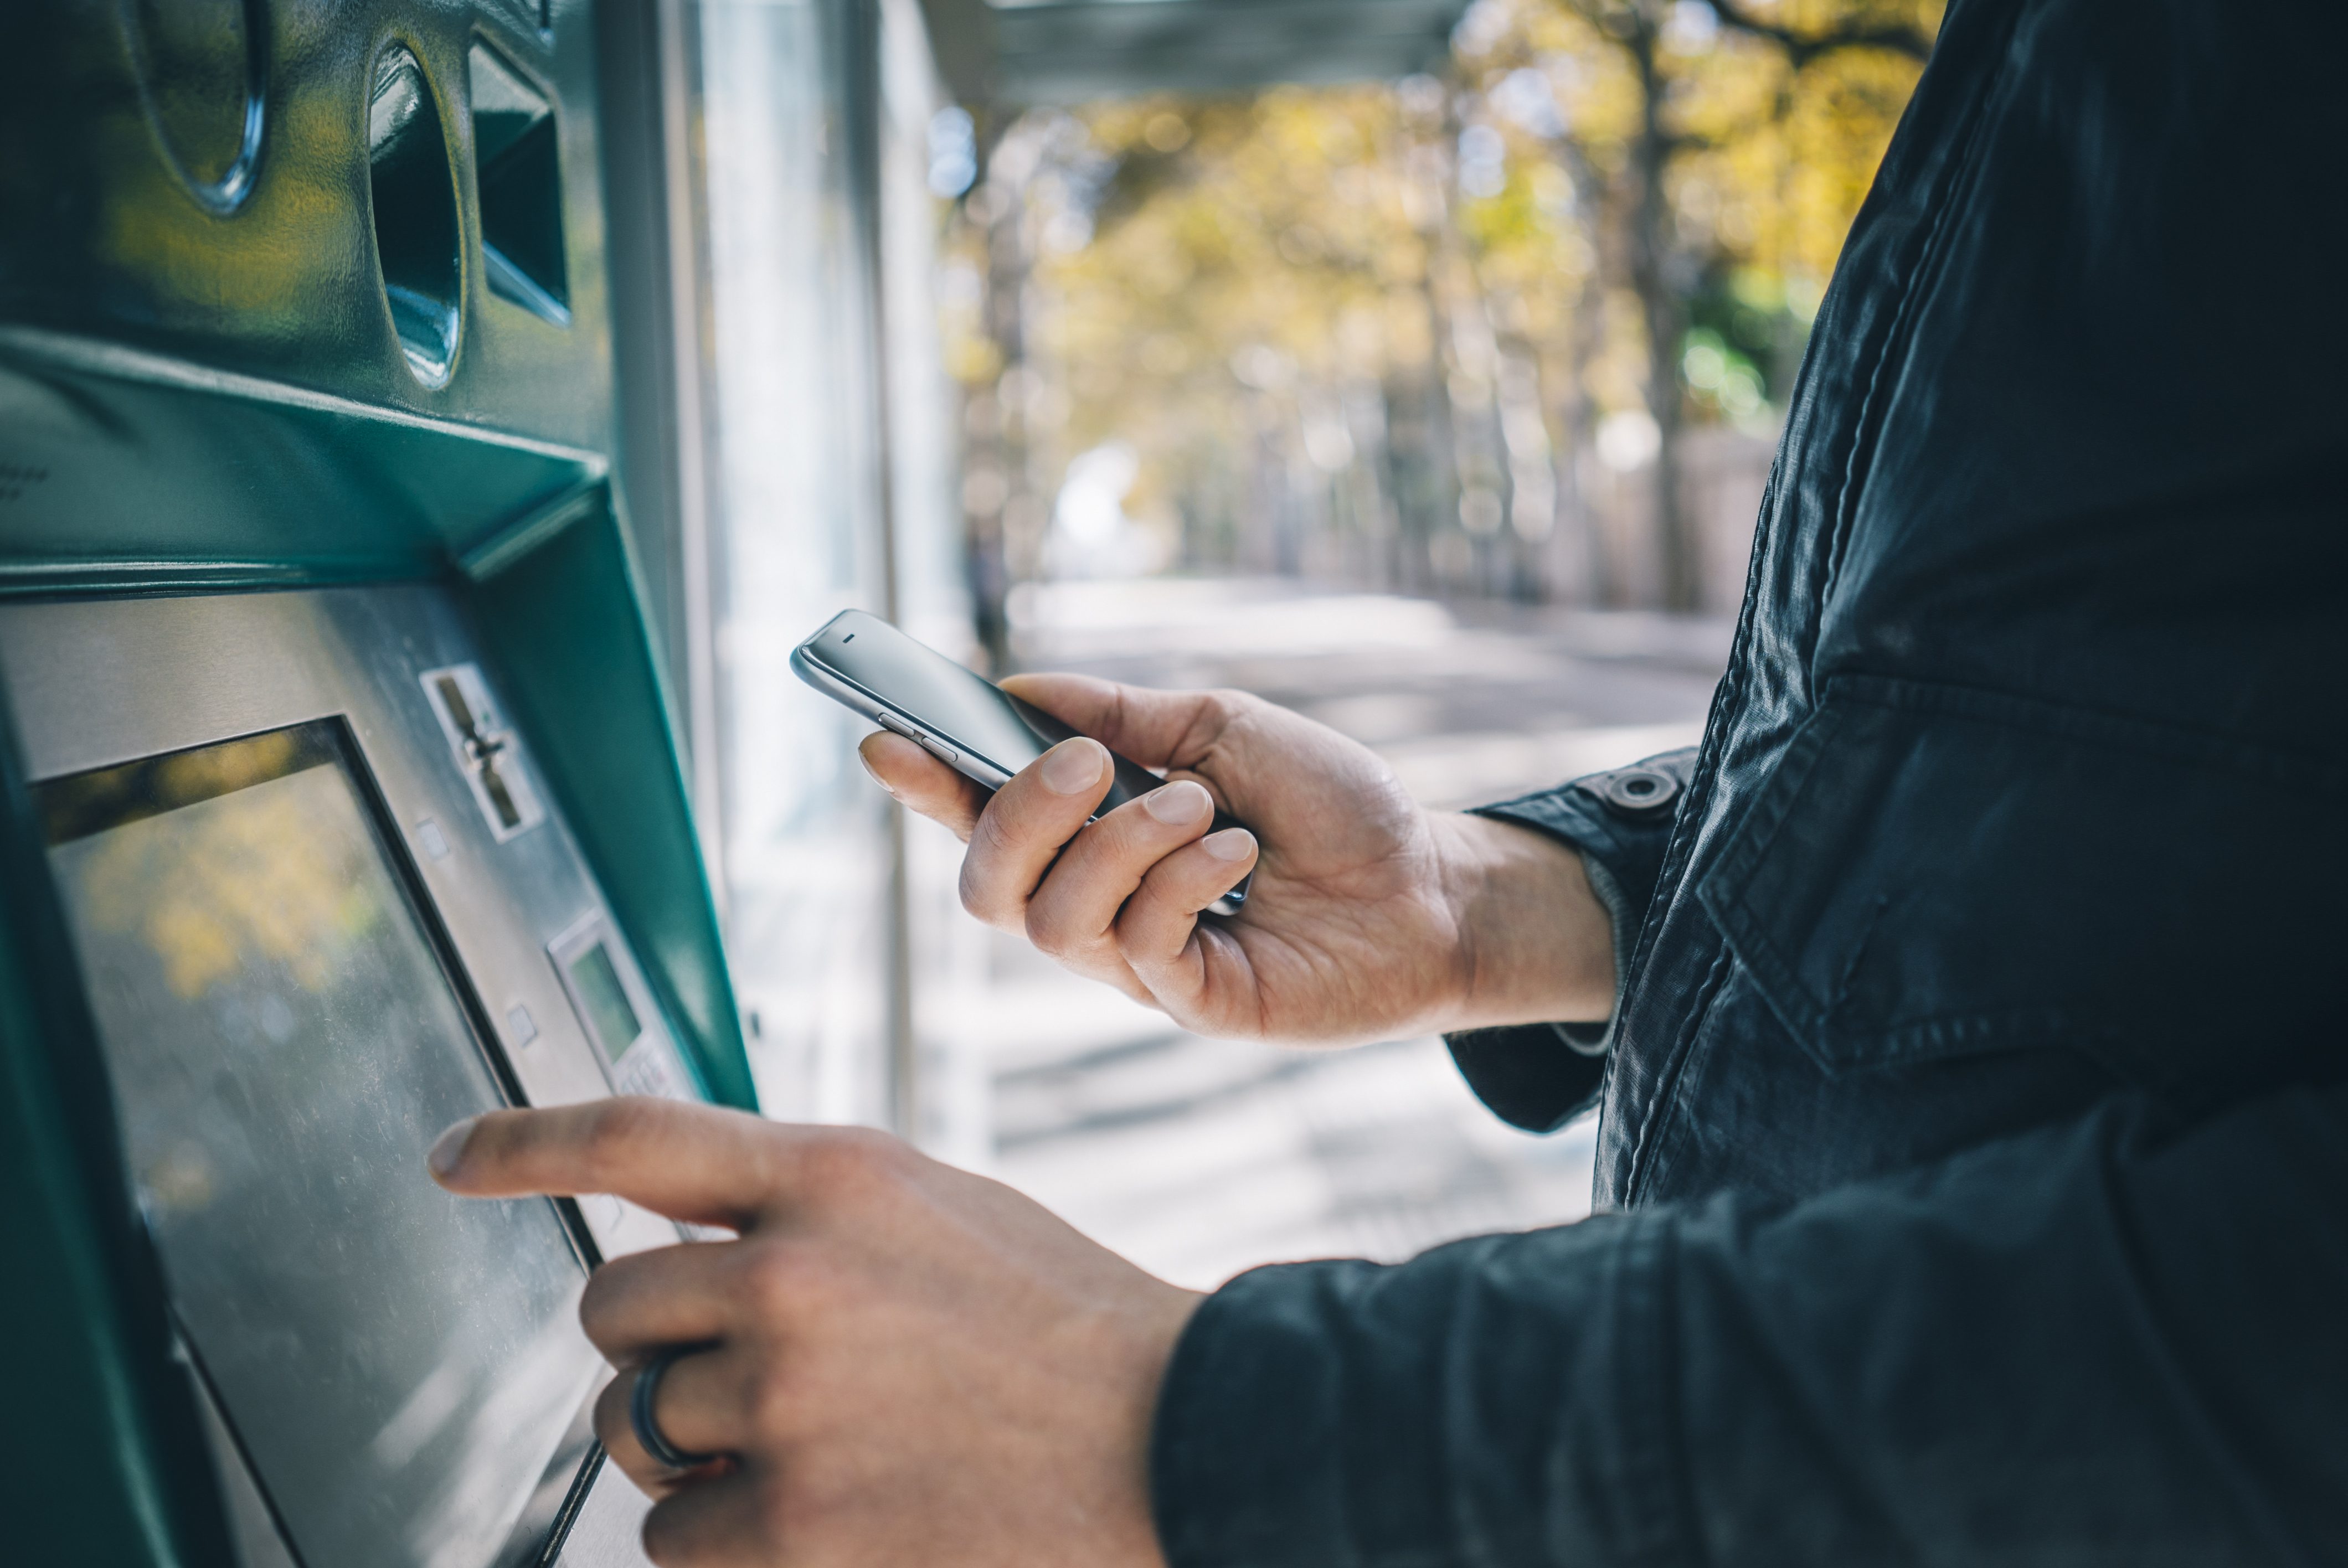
(1200, 1158)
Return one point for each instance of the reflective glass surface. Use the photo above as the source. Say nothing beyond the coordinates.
(400, 1366)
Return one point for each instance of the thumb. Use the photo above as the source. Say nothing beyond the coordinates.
(1155, 729)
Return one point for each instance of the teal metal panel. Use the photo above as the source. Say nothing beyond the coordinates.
(556, 612)
(128, 470)
(142, 473)
(123, 471)
(202, 388)
(101, 1458)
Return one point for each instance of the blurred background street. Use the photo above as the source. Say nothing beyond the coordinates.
(1198, 1158)
(1416, 365)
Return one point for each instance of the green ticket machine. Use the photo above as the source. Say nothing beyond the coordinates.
(342, 798)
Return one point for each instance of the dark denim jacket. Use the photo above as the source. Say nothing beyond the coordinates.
(1973, 1143)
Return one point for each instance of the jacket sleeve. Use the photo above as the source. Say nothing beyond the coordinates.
(1539, 1076)
(2100, 1343)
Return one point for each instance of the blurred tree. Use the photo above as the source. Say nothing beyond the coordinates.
(1384, 333)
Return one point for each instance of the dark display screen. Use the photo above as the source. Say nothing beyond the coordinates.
(606, 1000)
(403, 1369)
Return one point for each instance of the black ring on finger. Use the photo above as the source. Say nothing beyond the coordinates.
(640, 1412)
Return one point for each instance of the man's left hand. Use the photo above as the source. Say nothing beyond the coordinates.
(904, 1363)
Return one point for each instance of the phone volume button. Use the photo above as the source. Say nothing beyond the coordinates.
(897, 726)
(944, 753)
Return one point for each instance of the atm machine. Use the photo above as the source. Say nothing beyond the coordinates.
(339, 794)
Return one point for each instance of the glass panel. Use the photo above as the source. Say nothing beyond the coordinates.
(400, 1365)
(792, 460)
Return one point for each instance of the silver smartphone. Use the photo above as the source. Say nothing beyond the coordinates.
(962, 719)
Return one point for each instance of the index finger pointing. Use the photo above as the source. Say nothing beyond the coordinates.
(694, 1163)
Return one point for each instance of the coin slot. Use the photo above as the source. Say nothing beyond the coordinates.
(485, 749)
(415, 197)
(519, 164)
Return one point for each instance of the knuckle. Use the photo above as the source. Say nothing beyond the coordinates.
(847, 1165)
(611, 1417)
(598, 1304)
(973, 896)
(1050, 933)
(668, 1537)
(617, 1126)
(770, 1285)
(772, 1407)
(1225, 708)
(991, 834)
(781, 1515)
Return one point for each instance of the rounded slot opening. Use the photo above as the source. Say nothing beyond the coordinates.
(518, 162)
(200, 74)
(414, 190)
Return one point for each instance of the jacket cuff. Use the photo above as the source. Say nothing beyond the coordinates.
(1539, 1076)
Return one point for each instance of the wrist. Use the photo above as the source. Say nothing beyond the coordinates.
(1536, 943)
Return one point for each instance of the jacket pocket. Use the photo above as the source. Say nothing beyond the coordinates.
(1933, 872)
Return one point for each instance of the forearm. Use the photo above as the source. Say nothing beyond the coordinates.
(2093, 1344)
(1536, 944)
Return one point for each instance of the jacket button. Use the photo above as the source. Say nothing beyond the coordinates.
(1639, 791)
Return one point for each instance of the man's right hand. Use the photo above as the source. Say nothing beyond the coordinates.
(1369, 919)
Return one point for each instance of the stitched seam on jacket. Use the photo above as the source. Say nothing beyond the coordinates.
(1667, 1082)
(1915, 283)
(1745, 842)
(1672, 1459)
(1728, 697)
(1681, 845)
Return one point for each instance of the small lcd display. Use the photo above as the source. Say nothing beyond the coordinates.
(403, 1369)
(606, 1000)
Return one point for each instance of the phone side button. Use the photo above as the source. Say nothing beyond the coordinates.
(944, 753)
(897, 726)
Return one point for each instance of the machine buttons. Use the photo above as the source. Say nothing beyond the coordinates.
(520, 1025)
(434, 842)
(616, 1012)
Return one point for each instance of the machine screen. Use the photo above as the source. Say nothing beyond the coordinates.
(400, 1367)
(606, 1000)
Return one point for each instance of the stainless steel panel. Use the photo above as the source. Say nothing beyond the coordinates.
(610, 1531)
(98, 683)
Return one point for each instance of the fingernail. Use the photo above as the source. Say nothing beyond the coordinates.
(449, 1151)
(1231, 844)
(1073, 766)
(1178, 805)
(872, 773)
